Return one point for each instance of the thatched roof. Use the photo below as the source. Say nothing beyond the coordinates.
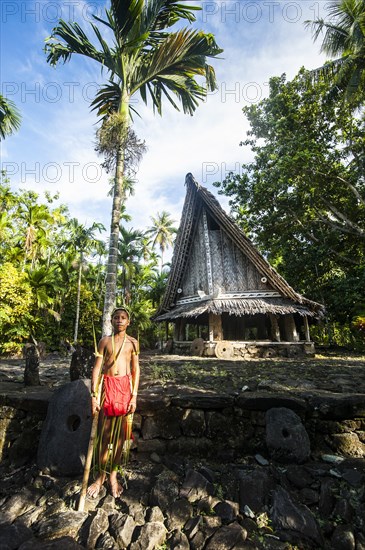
(237, 307)
(284, 301)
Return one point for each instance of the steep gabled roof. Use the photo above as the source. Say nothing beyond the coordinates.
(196, 198)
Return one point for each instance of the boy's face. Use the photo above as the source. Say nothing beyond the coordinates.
(120, 321)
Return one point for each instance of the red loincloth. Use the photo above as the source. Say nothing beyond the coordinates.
(117, 391)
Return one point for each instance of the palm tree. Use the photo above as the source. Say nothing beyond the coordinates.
(130, 252)
(162, 232)
(82, 240)
(141, 57)
(9, 117)
(43, 283)
(158, 284)
(148, 254)
(344, 39)
(37, 219)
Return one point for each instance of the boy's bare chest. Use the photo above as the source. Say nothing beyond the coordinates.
(118, 357)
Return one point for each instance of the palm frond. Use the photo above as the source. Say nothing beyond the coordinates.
(9, 117)
(125, 14)
(107, 99)
(162, 14)
(74, 40)
(344, 39)
(172, 67)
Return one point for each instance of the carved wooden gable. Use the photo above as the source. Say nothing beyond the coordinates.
(216, 269)
(215, 262)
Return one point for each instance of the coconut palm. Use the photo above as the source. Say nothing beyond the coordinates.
(130, 252)
(37, 220)
(82, 240)
(141, 57)
(9, 117)
(344, 40)
(157, 287)
(162, 232)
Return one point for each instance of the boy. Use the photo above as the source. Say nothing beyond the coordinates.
(117, 358)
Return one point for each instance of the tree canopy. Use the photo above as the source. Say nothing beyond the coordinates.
(302, 198)
(52, 275)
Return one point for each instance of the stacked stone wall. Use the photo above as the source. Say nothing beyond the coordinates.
(205, 424)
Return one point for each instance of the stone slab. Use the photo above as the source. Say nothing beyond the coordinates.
(203, 400)
(263, 401)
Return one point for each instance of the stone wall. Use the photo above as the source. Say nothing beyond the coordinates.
(19, 434)
(206, 424)
(233, 350)
(231, 426)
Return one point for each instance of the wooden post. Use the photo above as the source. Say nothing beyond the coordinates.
(176, 329)
(306, 329)
(290, 329)
(182, 330)
(215, 327)
(275, 329)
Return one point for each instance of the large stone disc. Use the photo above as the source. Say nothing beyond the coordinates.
(65, 433)
(224, 349)
(197, 347)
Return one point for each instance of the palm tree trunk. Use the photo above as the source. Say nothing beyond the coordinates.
(112, 266)
(77, 319)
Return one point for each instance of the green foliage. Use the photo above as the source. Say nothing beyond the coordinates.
(359, 324)
(344, 39)
(15, 306)
(89, 315)
(162, 232)
(41, 275)
(302, 199)
(9, 117)
(160, 372)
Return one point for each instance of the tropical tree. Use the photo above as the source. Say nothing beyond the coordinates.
(81, 240)
(344, 40)
(141, 305)
(158, 286)
(130, 252)
(162, 232)
(142, 57)
(9, 117)
(148, 254)
(302, 198)
(37, 220)
(7, 197)
(15, 305)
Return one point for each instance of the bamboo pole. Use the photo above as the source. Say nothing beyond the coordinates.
(89, 455)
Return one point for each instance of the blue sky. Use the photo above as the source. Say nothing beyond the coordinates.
(54, 149)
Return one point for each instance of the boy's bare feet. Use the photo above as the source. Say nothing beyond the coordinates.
(94, 489)
(115, 487)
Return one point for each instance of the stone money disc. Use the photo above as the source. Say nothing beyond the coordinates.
(197, 347)
(224, 350)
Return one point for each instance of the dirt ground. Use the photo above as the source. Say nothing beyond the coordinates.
(328, 371)
(333, 371)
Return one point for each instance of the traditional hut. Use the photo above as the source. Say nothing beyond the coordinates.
(222, 295)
